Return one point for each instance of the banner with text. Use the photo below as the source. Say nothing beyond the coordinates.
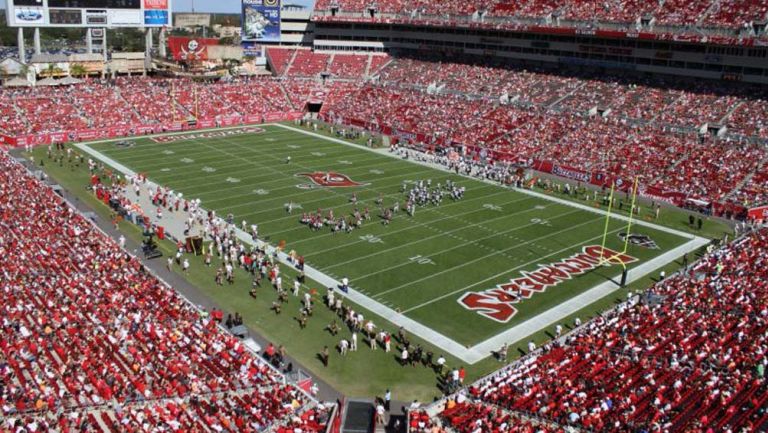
(261, 20)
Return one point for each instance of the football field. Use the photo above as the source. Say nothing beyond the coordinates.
(496, 263)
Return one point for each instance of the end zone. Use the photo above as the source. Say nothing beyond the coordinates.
(483, 349)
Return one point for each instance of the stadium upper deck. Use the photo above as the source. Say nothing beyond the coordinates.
(726, 16)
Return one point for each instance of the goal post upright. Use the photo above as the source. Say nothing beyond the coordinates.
(607, 222)
(631, 215)
(603, 259)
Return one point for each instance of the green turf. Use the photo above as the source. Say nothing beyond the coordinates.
(418, 265)
(367, 372)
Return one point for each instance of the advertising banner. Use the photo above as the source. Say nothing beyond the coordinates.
(252, 49)
(229, 120)
(7, 140)
(28, 16)
(206, 123)
(186, 48)
(156, 4)
(156, 17)
(191, 20)
(758, 213)
(253, 118)
(261, 20)
(58, 137)
(118, 17)
(143, 129)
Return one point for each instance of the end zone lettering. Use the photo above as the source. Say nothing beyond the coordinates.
(209, 134)
(497, 303)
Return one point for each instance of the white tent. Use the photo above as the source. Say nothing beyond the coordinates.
(17, 82)
(49, 81)
(70, 80)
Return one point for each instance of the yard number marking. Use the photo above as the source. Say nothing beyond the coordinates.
(422, 260)
(491, 206)
(541, 222)
(371, 239)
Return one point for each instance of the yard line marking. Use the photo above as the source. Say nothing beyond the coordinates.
(537, 259)
(442, 233)
(417, 224)
(299, 226)
(293, 243)
(148, 154)
(302, 192)
(252, 179)
(474, 260)
(576, 303)
(266, 132)
(482, 350)
(520, 190)
(280, 172)
(239, 166)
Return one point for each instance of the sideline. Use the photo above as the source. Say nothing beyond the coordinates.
(482, 350)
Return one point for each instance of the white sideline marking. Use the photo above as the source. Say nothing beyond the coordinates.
(495, 252)
(441, 233)
(576, 303)
(415, 224)
(474, 354)
(537, 259)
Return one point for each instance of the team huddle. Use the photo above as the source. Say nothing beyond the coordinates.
(421, 193)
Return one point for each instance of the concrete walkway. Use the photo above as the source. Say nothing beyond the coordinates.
(187, 290)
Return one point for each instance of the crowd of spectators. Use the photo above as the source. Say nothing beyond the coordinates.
(10, 120)
(292, 62)
(615, 126)
(102, 106)
(136, 101)
(754, 192)
(700, 168)
(734, 12)
(750, 118)
(93, 342)
(348, 65)
(730, 14)
(689, 354)
(308, 63)
(45, 109)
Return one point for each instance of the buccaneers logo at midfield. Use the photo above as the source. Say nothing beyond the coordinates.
(497, 303)
(329, 179)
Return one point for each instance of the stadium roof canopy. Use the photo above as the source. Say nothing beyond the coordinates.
(17, 82)
(48, 82)
(68, 80)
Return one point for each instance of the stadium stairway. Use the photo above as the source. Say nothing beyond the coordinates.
(730, 111)
(368, 66)
(180, 284)
(290, 63)
(567, 95)
(373, 71)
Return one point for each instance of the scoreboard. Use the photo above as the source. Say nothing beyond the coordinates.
(88, 13)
